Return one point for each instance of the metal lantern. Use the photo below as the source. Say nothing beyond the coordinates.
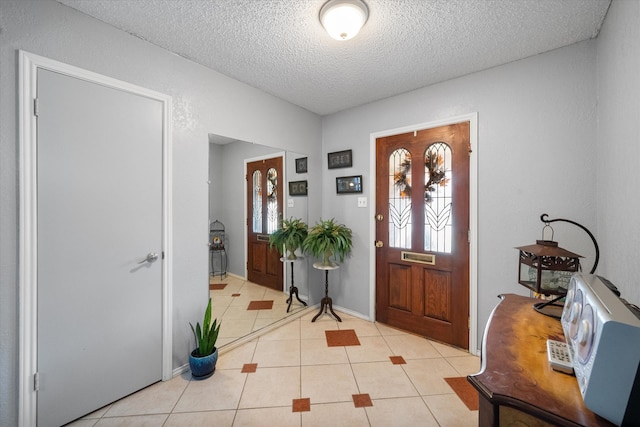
(546, 268)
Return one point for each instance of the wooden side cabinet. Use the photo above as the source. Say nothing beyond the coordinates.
(516, 384)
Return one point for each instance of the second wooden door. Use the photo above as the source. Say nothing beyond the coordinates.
(264, 211)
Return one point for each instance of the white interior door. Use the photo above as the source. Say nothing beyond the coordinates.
(99, 215)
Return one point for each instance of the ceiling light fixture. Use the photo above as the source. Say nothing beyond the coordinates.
(343, 19)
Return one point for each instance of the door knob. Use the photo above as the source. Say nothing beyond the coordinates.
(151, 257)
(379, 217)
(379, 244)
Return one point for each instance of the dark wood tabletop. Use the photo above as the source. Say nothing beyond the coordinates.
(516, 372)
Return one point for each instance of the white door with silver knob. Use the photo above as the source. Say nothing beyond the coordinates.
(99, 240)
(151, 257)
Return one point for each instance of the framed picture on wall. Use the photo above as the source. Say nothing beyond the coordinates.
(340, 159)
(297, 188)
(301, 165)
(349, 184)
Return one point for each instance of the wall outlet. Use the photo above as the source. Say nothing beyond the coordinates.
(362, 202)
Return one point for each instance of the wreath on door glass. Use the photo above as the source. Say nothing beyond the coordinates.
(434, 164)
(272, 177)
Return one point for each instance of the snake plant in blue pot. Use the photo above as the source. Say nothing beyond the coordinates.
(203, 359)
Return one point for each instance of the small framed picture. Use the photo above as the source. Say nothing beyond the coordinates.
(297, 188)
(301, 165)
(349, 184)
(340, 159)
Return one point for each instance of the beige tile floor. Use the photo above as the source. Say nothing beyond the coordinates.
(232, 310)
(294, 362)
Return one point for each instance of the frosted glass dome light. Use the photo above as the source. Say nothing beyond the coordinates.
(343, 19)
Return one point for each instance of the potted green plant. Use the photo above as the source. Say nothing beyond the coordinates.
(203, 359)
(289, 237)
(327, 239)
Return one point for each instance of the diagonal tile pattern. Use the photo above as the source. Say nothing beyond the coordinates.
(465, 391)
(244, 307)
(362, 400)
(260, 305)
(290, 376)
(342, 338)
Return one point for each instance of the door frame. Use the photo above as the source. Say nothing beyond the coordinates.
(281, 154)
(472, 118)
(28, 233)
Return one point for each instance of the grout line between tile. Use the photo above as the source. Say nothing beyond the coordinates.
(298, 318)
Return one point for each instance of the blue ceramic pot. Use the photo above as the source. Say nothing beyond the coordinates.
(203, 367)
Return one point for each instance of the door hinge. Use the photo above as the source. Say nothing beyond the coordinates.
(36, 381)
(36, 107)
(162, 254)
(469, 322)
(468, 236)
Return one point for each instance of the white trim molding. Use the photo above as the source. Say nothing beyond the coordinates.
(472, 118)
(28, 235)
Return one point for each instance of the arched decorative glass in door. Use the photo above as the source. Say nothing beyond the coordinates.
(437, 199)
(400, 199)
(257, 202)
(272, 200)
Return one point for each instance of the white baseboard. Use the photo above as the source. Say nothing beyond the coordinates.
(352, 313)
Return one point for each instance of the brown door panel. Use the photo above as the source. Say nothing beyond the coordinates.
(259, 259)
(264, 191)
(400, 287)
(422, 195)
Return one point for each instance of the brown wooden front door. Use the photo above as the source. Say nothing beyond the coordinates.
(422, 225)
(264, 211)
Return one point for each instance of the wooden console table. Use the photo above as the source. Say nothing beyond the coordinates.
(516, 384)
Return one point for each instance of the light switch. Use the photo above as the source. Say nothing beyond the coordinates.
(289, 203)
(362, 202)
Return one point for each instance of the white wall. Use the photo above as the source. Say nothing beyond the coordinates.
(537, 139)
(618, 151)
(204, 102)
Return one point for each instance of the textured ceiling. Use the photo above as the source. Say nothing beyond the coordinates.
(279, 46)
